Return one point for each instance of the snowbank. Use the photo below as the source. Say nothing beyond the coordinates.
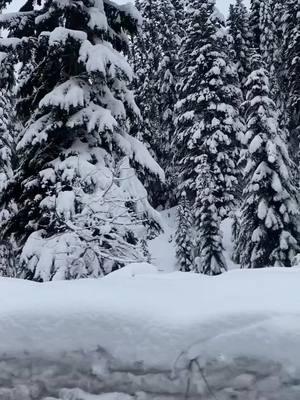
(151, 327)
(158, 311)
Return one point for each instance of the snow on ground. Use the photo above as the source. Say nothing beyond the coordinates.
(226, 229)
(143, 334)
(167, 314)
(162, 248)
(149, 332)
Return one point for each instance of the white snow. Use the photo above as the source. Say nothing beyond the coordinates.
(143, 157)
(60, 35)
(94, 116)
(169, 315)
(98, 19)
(162, 248)
(65, 204)
(102, 57)
(69, 94)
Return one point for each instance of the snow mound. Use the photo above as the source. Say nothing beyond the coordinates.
(134, 269)
(174, 317)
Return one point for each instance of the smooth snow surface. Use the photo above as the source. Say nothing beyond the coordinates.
(156, 320)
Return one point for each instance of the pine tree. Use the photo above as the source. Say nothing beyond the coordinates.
(183, 238)
(235, 256)
(267, 38)
(208, 121)
(238, 23)
(178, 25)
(77, 194)
(268, 234)
(6, 123)
(208, 247)
(8, 131)
(254, 22)
(145, 250)
(262, 27)
(291, 57)
(155, 53)
(278, 78)
(145, 59)
(167, 79)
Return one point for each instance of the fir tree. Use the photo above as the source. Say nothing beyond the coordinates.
(238, 23)
(183, 238)
(145, 59)
(235, 256)
(145, 250)
(155, 53)
(267, 37)
(262, 27)
(8, 131)
(277, 69)
(268, 234)
(7, 117)
(76, 191)
(209, 258)
(208, 121)
(254, 22)
(291, 57)
(167, 79)
(179, 26)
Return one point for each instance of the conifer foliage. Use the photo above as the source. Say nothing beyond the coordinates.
(184, 240)
(267, 39)
(7, 125)
(154, 57)
(254, 22)
(291, 50)
(86, 139)
(208, 120)
(238, 24)
(209, 258)
(76, 201)
(209, 127)
(268, 234)
(8, 132)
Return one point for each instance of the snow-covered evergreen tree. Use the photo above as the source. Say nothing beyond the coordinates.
(238, 23)
(155, 52)
(78, 196)
(254, 23)
(8, 130)
(167, 78)
(267, 38)
(179, 28)
(235, 256)
(209, 257)
(262, 27)
(208, 121)
(269, 235)
(277, 77)
(183, 238)
(7, 118)
(291, 49)
(145, 59)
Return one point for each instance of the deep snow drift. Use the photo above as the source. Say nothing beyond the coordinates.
(139, 315)
(142, 330)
